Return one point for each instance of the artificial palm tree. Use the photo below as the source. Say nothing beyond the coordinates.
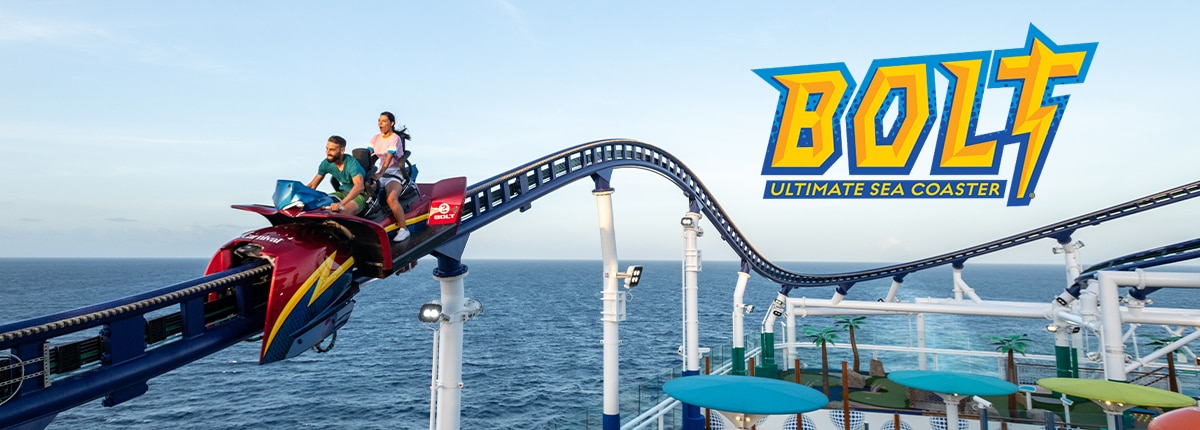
(1008, 345)
(851, 323)
(1159, 343)
(822, 337)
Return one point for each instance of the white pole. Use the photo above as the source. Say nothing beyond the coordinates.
(612, 341)
(891, 295)
(951, 410)
(1110, 320)
(690, 269)
(433, 385)
(739, 310)
(449, 397)
(961, 287)
(789, 354)
(739, 339)
(692, 418)
(1071, 258)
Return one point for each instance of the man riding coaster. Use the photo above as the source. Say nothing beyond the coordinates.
(347, 176)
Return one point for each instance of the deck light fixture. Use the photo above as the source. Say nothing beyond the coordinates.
(632, 276)
(1052, 328)
(430, 312)
(742, 420)
(686, 221)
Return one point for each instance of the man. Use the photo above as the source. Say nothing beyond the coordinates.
(347, 175)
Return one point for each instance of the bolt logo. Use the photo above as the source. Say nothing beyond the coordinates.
(806, 138)
(442, 213)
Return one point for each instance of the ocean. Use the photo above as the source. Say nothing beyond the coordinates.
(532, 359)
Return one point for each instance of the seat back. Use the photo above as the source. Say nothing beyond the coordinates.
(366, 160)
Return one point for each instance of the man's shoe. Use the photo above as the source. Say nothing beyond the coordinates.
(401, 235)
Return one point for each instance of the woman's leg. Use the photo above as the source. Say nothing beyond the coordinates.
(393, 201)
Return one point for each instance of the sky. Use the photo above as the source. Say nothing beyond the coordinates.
(129, 128)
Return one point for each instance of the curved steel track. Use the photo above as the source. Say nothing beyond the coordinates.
(516, 189)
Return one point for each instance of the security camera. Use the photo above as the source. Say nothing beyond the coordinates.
(982, 402)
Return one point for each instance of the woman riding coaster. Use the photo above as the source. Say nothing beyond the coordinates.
(388, 148)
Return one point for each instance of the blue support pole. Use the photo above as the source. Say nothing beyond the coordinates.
(692, 418)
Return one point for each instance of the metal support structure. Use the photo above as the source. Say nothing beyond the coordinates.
(609, 295)
(692, 418)
(433, 384)
(960, 286)
(456, 310)
(739, 310)
(790, 353)
(1065, 359)
(767, 368)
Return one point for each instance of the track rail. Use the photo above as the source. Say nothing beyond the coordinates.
(516, 189)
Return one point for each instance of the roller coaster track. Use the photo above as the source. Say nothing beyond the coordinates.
(516, 189)
(105, 366)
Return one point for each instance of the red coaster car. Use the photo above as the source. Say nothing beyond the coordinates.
(321, 257)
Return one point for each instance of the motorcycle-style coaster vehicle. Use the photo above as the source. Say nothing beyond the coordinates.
(320, 257)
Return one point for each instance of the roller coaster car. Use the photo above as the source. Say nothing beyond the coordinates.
(317, 254)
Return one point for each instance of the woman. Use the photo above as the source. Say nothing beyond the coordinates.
(388, 148)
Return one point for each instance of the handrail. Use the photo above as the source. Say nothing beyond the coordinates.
(517, 188)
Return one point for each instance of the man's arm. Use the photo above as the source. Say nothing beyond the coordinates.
(316, 180)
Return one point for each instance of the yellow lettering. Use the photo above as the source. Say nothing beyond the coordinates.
(961, 120)
(1032, 118)
(822, 121)
(868, 152)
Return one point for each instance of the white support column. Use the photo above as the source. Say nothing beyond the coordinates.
(1071, 260)
(612, 341)
(692, 418)
(739, 338)
(449, 387)
(1065, 361)
(790, 353)
(691, 268)
(1110, 331)
(433, 385)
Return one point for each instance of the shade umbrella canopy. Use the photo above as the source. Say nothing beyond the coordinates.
(1117, 392)
(745, 394)
(957, 383)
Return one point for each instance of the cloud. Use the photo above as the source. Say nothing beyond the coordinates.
(889, 242)
(21, 29)
(517, 19)
(122, 220)
(94, 39)
(30, 220)
(180, 57)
